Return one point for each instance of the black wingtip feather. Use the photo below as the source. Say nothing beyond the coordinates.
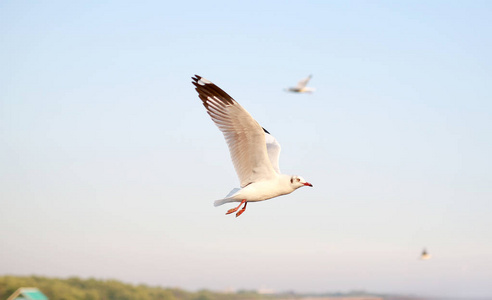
(210, 90)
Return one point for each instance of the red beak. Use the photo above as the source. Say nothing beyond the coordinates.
(308, 184)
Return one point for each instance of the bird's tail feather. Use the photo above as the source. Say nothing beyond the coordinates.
(227, 198)
(223, 201)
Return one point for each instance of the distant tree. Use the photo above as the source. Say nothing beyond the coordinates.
(75, 288)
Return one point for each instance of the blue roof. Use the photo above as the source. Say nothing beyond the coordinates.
(30, 294)
(35, 295)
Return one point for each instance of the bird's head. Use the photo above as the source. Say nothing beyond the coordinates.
(298, 181)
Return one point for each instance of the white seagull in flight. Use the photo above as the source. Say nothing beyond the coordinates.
(301, 86)
(253, 150)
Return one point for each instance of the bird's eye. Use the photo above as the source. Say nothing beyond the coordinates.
(298, 179)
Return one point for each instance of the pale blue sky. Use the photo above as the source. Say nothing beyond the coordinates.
(109, 164)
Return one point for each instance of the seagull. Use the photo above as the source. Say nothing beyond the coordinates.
(425, 255)
(254, 151)
(301, 86)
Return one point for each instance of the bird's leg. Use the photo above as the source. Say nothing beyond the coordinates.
(242, 209)
(230, 211)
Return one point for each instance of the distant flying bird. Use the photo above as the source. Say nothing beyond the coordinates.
(301, 86)
(253, 150)
(425, 255)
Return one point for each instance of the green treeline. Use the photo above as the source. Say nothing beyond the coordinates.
(93, 289)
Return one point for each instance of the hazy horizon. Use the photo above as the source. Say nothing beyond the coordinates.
(110, 164)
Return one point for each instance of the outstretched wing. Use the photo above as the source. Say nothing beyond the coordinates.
(243, 134)
(273, 149)
(302, 84)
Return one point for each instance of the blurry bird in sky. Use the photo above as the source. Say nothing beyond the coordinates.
(254, 151)
(301, 86)
(425, 255)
